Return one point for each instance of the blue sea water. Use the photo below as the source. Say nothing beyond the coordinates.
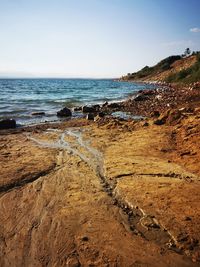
(20, 97)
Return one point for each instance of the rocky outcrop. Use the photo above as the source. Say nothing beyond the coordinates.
(163, 99)
(170, 117)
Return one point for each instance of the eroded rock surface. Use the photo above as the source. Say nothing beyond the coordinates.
(97, 189)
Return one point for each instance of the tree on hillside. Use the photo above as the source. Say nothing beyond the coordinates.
(187, 52)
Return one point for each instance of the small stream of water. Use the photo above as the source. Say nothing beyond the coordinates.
(94, 159)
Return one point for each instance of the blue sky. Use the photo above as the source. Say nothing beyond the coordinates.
(93, 38)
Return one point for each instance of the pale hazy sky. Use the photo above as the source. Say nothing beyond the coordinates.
(93, 38)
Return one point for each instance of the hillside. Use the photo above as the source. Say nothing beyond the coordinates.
(176, 69)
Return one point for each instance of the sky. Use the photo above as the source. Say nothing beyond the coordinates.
(93, 38)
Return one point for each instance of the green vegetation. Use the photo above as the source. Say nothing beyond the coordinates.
(187, 52)
(163, 65)
(188, 75)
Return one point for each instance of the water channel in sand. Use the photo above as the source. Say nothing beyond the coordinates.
(136, 218)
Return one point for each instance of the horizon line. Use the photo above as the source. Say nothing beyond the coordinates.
(63, 78)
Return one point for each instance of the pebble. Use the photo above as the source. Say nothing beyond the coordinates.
(85, 238)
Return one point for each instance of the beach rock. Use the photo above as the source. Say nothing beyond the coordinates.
(166, 117)
(147, 92)
(77, 108)
(140, 97)
(114, 105)
(84, 238)
(90, 116)
(90, 109)
(65, 112)
(86, 109)
(97, 107)
(40, 113)
(170, 117)
(7, 124)
(159, 122)
(174, 117)
(155, 113)
(101, 114)
(104, 104)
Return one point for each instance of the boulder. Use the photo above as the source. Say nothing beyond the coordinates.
(65, 112)
(90, 116)
(7, 124)
(90, 109)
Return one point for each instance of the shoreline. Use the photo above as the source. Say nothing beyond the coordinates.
(60, 94)
(125, 105)
(51, 114)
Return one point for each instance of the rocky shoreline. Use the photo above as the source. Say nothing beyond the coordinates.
(105, 191)
(147, 102)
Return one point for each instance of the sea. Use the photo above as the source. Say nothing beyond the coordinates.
(19, 98)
